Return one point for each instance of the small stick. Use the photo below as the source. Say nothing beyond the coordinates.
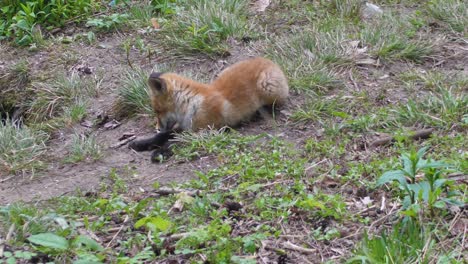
(420, 134)
(314, 165)
(175, 237)
(6, 179)
(291, 246)
(118, 232)
(8, 237)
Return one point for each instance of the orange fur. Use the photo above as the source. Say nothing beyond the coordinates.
(238, 92)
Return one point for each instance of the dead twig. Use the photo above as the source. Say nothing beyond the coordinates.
(8, 237)
(175, 237)
(6, 179)
(352, 80)
(291, 246)
(89, 233)
(383, 218)
(314, 165)
(118, 232)
(420, 134)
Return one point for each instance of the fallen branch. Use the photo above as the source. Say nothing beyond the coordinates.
(420, 134)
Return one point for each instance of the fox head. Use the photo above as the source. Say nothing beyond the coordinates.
(162, 102)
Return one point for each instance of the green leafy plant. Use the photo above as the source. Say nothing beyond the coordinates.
(429, 190)
(154, 223)
(18, 256)
(408, 243)
(108, 22)
(80, 245)
(22, 20)
(324, 205)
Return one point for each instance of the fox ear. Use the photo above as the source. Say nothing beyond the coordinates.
(157, 85)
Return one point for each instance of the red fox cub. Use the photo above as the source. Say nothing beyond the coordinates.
(182, 104)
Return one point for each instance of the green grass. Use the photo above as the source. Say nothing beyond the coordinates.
(308, 58)
(76, 112)
(133, 96)
(143, 11)
(21, 148)
(393, 37)
(262, 174)
(204, 26)
(108, 22)
(427, 193)
(52, 98)
(83, 148)
(407, 243)
(454, 13)
(14, 81)
(251, 163)
(444, 108)
(349, 9)
(319, 108)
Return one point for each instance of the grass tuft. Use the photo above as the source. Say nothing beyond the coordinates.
(309, 57)
(13, 82)
(393, 38)
(350, 9)
(53, 98)
(444, 108)
(83, 148)
(204, 26)
(407, 243)
(133, 96)
(452, 12)
(20, 148)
